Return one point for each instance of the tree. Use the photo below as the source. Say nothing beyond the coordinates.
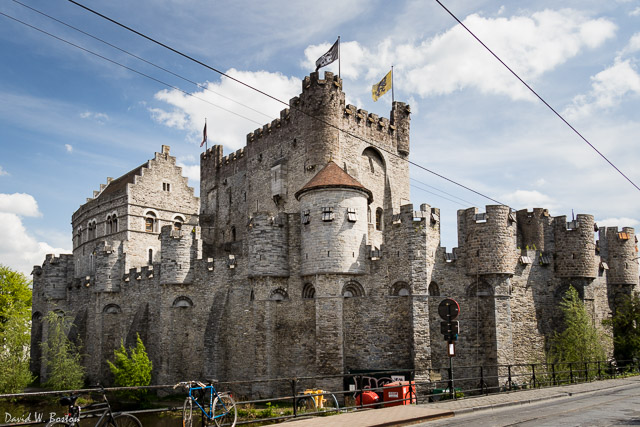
(625, 324)
(15, 331)
(60, 355)
(580, 341)
(132, 369)
(15, 294)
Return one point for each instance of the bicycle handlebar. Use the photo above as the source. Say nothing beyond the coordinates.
(189, 384)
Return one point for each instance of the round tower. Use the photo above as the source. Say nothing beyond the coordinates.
(324, 100)
(176, 254)
(333, 212)
(268, 239)
(108, 274)
(489, 240)
(618, 250)
(575, 254)
(533, 228)
(400, 119)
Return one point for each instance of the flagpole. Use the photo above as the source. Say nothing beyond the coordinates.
(392, 95)
(339, 57)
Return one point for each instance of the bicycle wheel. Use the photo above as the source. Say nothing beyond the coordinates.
(126, 420)
(306, 403)
(330, 403)
(187, 413)
(224, 410)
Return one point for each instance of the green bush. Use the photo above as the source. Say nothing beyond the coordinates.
(61, 356)
(580, 341)
(131, 369)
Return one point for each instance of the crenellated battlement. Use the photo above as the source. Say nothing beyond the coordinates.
(313, 80)
(575, 254)
(267, 129)
(364, 118)
(488, 239)
(619, 253)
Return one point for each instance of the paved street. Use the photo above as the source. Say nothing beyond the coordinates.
(610, 402)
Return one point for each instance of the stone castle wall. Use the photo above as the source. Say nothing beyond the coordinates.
(247, 289)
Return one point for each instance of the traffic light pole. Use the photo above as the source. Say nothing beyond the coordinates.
(451, 389)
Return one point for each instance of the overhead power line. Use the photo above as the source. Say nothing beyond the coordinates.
(538, 96)
(209, 67)
(126, 67)
(139, 58)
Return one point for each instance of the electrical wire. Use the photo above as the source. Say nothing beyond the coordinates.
(436, 194)
(538, 96)
(140, 58)
(442, 191)
(190, 58)
(127, 68)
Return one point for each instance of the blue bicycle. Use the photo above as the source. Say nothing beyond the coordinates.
(217, 407)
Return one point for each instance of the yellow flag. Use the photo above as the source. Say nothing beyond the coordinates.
(381, 88)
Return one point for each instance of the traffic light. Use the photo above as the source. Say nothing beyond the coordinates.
(450, 330)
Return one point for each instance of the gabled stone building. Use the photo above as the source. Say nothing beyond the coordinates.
(304, 257)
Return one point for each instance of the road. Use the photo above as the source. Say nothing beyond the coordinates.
(615, 407)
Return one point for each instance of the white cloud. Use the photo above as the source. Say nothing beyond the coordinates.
(617, 222)
(608, 88)
(234, 120)
(3, 172)
(635, 12)
(452, 61)
(19, 204)
(191, 171)
(69, 148)
(632, 46)
(98, 117)
(18, 248)
(520, 199)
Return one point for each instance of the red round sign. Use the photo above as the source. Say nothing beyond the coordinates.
(449, 309)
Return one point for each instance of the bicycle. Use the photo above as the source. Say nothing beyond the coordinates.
(219, 407)
(107, 417)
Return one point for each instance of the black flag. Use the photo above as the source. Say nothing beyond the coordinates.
(329, 57)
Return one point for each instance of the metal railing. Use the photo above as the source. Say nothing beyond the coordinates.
(349, 390)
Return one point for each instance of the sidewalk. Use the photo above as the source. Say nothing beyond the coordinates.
(406, 415)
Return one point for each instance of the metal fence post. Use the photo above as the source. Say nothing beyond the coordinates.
(599, 371)
(294, 390)
(533, 375)
(509, 371)
(553, 373)
(586, 372)
(571, 371)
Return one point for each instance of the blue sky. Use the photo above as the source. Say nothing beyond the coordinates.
(69, 119)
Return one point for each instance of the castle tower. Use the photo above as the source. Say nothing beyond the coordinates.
(108, 266)
(400, 119)
(333, 209)
(618, 251)
(575, 255)
(489, 247)
(534, 229)
(179, 249)
(51, 280)
(489, 240)
(268, 245)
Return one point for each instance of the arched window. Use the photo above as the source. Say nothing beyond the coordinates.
(379, 219)
(80, 235)
(279, 295)
(233, 234)
(434, 290)
(308, 291)
(352, 289)
(150, 261)
(182, 302)
(112, 309)
(150, 222)
(400, 289)
(36, 317)
(108, 225)
(92, 229)
(177, 222)
(114, 223)
(92, 262)
(369, 219)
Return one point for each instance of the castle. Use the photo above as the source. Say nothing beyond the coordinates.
(303, 256)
